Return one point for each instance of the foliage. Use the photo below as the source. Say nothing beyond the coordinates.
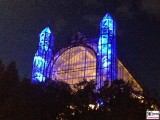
(51, 100)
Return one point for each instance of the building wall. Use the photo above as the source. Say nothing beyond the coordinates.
(124, 74)
(78, 63)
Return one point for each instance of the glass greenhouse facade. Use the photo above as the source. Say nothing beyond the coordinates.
(90, 59)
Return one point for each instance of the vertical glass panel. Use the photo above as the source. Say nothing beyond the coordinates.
(43, 55)
(107, 49)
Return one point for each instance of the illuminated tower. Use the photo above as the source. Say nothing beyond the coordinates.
(43, 55)
(107, 50)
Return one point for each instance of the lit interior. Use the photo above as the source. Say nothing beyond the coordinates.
(74, 65)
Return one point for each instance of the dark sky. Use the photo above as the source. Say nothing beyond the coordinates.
(138, 31)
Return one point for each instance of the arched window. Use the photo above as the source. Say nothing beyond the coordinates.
(74, 65)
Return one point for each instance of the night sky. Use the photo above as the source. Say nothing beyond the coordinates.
(138, 31)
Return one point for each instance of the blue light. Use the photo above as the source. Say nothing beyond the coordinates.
(106, 47)
(43, 55)
(101, 103)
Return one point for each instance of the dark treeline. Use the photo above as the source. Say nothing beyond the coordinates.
(52, 100)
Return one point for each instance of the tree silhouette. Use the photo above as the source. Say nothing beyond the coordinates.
(51, 100)
(2, 69)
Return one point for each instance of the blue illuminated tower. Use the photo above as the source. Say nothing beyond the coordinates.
(107, 50)
(43, 55)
